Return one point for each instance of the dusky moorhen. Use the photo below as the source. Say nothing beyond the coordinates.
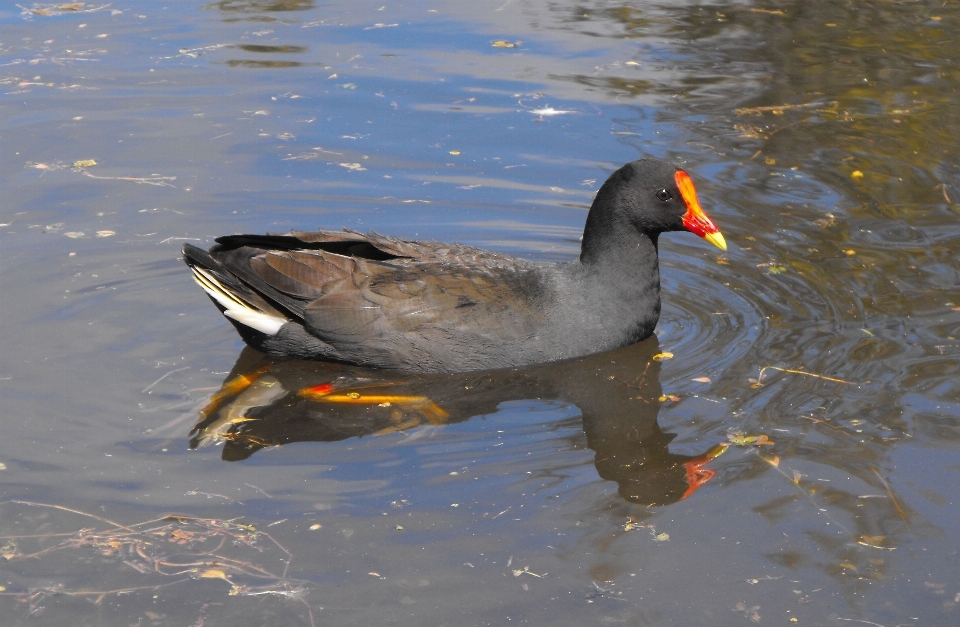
(383, 302)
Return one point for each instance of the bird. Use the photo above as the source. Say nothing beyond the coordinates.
(422, 306)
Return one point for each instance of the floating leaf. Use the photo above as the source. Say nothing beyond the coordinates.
(454, 152)
(663, 356)
(670, 397)
(353, 166)
(315, 527)
(856, 174)
(503, 43)
(105, 233)
(85, 163)
(213, 573)
(740, 439)
(662, 537)
(702, 379)
(776, 269)
(872, 541)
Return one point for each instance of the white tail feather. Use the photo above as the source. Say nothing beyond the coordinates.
(235, 307)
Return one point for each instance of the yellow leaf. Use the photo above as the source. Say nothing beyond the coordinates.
(454, 152)
(740, 439)
(856, 174)
(662, 356)
(85, 163)
(501, 43)
(214, 574)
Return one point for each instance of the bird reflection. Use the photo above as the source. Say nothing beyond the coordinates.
(265, 402)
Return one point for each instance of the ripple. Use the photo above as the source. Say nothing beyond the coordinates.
(708, 323)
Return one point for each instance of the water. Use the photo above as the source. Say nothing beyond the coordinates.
(822, 139)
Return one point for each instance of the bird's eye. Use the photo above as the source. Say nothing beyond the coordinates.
(664, 195)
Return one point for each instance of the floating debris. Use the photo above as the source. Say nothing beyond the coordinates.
(177, 546)
(739, 439)
(526, 571)
(759, 381)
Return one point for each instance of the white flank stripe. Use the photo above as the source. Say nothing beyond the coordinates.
(236, 308)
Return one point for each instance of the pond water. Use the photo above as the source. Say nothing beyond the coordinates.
(819, 356)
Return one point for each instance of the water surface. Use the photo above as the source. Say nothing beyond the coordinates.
(822, 139)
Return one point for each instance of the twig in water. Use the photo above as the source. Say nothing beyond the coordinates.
(159, 181)
(867, 622)
(893, 497)
(149, 387)
(795, 480)
(807, 105)
(821, 421)
(75, 511)
(792, 371)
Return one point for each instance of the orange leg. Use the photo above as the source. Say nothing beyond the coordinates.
(233, 386)
(420, 404)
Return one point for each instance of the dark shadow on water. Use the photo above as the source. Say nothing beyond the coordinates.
(267, 403)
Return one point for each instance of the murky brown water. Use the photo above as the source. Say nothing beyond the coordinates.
(823, 140)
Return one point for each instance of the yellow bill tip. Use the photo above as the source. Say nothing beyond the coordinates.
(716, 239)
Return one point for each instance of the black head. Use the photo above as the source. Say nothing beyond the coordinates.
(652, 197)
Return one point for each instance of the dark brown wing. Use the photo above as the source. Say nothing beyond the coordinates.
(390, 303)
